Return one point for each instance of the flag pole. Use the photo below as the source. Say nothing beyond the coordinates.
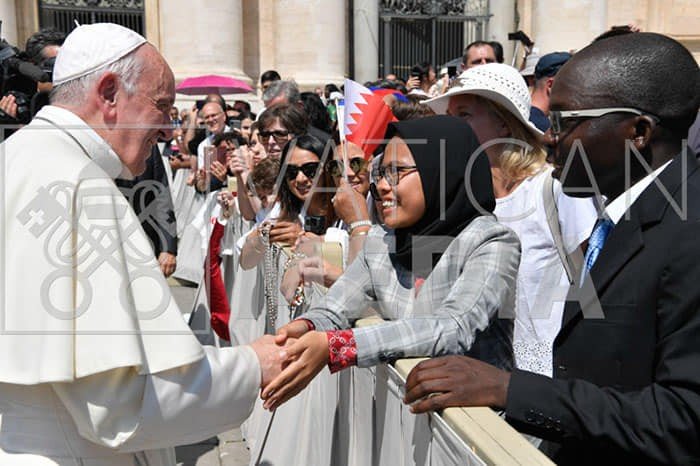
(343, 140)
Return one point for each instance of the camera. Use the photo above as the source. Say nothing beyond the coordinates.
(233, 123)
(315, 224)
(19, 77)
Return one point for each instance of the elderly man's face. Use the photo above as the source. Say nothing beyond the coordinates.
(214, 117)
(144, 117)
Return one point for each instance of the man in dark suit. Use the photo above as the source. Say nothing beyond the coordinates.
(150, 197)
(626, 386)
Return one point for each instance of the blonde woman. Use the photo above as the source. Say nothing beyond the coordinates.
(495, 101)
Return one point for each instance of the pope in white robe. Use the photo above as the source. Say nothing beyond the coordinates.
(98, 366)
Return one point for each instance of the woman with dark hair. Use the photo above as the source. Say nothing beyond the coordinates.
(451, 271)
(302, 162)
(301, 197)
(279, 124)
(423, 77)
(316, 111)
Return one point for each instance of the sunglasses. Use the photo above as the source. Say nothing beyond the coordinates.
(563, 120)
(308, 169)
(336, 167)
(279, 136)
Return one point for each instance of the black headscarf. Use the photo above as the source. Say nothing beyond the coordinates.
(461, 146)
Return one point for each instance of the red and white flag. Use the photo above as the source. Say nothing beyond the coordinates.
(365, 117)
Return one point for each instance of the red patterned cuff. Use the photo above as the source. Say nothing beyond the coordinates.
(342, 350)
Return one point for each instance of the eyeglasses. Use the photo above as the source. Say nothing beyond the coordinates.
(391, 173)
(336, 167)
(176, 123)
(559, 118)
(308, 169)
(280, 136)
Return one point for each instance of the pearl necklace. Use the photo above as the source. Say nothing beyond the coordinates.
(270, 277)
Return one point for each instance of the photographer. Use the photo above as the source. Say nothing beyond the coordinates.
(26, 76)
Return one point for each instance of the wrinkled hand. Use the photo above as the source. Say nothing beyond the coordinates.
(294, 329)
(270, 357)
(285, 232)
(455, 381)
(349, 205)
(302, 360)
(219, 171)
(226, 201)
(8, 104)
(167, 262)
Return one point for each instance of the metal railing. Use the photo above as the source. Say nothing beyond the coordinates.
(437, 32)
(62, 14)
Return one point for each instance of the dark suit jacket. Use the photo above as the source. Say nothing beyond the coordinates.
(626, 388)
(149, 195)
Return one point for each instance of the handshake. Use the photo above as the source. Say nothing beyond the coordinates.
(289, 361)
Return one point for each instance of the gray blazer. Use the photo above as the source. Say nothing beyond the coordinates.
(465, 306)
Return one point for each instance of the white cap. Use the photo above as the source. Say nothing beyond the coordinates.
(91, 47)
(496, 82)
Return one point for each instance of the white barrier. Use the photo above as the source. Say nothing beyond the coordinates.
(375, 427)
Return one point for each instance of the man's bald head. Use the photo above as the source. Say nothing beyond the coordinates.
(648, 71)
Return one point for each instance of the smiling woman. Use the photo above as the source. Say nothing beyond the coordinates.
(305, 180)
(440, 276)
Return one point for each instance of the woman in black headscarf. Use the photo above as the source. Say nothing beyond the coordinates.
(441, 274)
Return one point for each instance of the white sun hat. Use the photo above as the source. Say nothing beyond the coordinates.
(496, 82)
(91, 47)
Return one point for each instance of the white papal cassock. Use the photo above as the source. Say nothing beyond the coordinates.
(98, 366)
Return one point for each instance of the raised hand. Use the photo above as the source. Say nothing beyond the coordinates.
(285, 232)
(8, 104)
(303, 359)
(448, 381)
(315, 269)
(218, 170)
(227, 203)
(349, 205)
(238, 163)
(308, 244)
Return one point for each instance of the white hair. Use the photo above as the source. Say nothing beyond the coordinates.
(75, 92)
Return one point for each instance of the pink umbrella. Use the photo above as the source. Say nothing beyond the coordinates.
(212, 84)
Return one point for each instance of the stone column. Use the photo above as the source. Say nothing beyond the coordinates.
(366, 36)
(310, 41)
(563, 26)
(202, 37)
(501, 23)
(8, 15)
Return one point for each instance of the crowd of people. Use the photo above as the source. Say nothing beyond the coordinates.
(527, 239)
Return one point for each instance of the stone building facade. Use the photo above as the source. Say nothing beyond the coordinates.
(321, 41)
